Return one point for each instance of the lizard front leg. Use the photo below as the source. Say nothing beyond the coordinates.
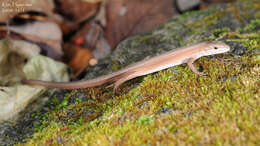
(193, 68)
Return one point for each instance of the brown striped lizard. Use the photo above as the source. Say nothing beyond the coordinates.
(172, 58)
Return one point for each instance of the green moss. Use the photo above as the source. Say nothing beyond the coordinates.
(255, 5)
(249, 35)
(257, 15)
(64, 103)
(116, 65)
(149, 40)
(145, 120)
(252, 26)
(209, 110)
(208, 20)
(219, 32)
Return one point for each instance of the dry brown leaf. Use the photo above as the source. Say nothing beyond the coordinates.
(42, 29)
(36, 32)
(93, 1)
(80, 60)
(53, 48)
(77, 10)
(101, 15)
(10, 8)
(129, 17)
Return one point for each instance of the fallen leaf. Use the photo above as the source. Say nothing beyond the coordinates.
(80, 60)
(44, 68)
(129, 17)
(13, 99)
(13, 54)
(37, 33)
(100, 18)
(93, 1)
(77, 10)
(52, 48)
(42, 29)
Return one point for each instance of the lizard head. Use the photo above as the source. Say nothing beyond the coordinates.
(215, 47)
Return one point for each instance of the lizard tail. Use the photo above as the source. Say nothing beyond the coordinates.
(118, 79)
(60, 85)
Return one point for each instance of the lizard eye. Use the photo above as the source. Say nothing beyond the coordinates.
(215, 48)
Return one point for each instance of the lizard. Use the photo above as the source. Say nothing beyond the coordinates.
(187, 54)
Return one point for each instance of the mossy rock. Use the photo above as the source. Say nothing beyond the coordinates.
(173, 106)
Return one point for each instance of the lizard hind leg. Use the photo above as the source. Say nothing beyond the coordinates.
(124, 79)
